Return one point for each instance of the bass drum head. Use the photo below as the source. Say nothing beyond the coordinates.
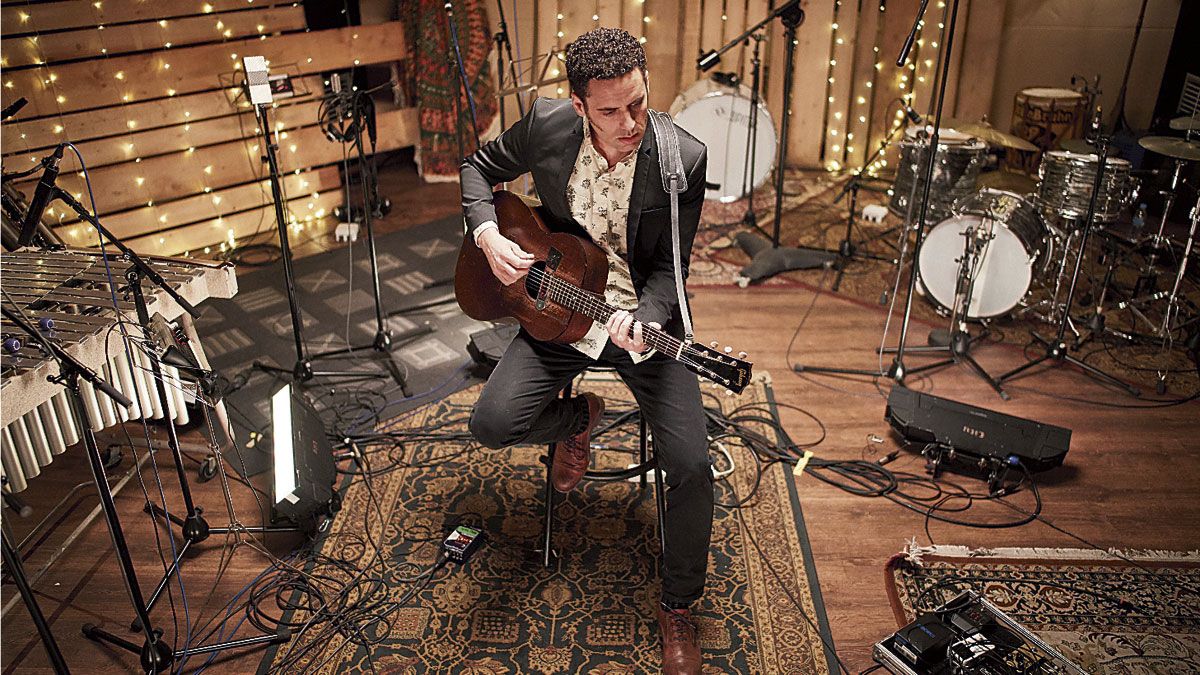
(719, 117)
(1003, 275)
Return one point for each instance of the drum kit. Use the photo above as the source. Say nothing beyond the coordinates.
(991, 253)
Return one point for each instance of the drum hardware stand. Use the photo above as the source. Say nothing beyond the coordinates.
(156, 656)
(193, 526)
(16, 570)
(974, 247)
(1057, 349)
(768, 256)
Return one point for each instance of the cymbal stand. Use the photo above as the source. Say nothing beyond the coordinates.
(1056, 349)
(975, 245)
(1173, 308)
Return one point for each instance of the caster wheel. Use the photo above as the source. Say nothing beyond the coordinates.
(208, 469)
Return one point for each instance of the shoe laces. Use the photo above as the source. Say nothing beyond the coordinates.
(681, 625)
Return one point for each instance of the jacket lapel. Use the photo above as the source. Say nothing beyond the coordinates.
(641, 174)
(566, 164)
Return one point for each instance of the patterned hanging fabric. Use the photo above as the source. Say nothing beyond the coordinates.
(431, 54)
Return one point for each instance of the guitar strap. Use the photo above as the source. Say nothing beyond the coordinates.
(674, 183)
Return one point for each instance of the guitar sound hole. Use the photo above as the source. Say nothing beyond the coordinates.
(536, 275)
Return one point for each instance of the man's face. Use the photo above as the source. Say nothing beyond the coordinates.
(616, 109)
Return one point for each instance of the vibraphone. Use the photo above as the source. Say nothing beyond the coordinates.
(71, 288)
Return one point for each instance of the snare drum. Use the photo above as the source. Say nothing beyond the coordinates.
(1066, 181)
(956, 168)
(1015, 245)
(719, 116)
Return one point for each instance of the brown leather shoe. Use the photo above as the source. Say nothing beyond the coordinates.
(680, 642)
(572, 455)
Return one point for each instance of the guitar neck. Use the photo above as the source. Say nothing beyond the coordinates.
(597, 309)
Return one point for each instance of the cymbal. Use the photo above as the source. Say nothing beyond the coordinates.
(1077, 145)
(992, 136)
(1185, 123)
(1177, 148)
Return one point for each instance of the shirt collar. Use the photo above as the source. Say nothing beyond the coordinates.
(601, 163)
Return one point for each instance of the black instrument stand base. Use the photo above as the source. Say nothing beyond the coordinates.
(380, 350)
(768, 260)
(1058, 352)
(959, 351)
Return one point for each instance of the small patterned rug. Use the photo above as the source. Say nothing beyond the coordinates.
(593, 611)
(1070, 597)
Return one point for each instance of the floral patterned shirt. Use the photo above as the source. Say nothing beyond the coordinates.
(598, 196)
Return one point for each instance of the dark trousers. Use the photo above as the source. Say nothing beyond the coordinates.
(519, 404)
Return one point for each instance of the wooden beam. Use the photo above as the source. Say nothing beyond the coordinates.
(109, 82)
(137, 142)
(199, 207)
(166, 177)
(55, 16)
(811, 68)
(89, 43)
(662, 55)
(31, 135)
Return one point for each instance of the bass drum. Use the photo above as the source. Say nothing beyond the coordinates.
(1015, 245)
(719, 115)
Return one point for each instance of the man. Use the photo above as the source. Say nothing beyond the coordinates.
(594, 163)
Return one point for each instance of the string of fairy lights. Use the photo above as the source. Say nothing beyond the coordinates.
(860, 86)
(135, 141)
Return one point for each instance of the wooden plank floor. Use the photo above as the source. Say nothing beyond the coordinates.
(1131, 481)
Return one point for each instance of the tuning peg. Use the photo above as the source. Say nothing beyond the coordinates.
(729, 350)
(742, 355)
(713, 344)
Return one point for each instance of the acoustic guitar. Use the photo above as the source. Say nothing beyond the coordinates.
(563, 293)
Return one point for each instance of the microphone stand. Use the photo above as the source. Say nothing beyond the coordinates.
(193, 525)
(503, 45)
(464, 81)
(12, 563)
(768, 257)
(156, 656)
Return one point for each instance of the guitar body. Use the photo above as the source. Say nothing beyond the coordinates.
(564, 256)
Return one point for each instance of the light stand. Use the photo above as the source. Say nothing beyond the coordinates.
(1056, 349)
(156, 655)
(193, 525)
(768, 257)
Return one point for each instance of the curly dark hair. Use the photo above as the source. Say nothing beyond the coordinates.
(602, 54)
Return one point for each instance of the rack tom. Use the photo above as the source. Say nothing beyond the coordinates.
(957, 162)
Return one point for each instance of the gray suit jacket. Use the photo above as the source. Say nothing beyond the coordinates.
(546, 143)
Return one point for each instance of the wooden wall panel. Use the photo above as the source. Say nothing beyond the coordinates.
(203, 206)
(810, 78)
(179, 174)
(38, 134)
(87, 42)
(980, 57)
(163, 140)
(662, 55)
(53, 16)
(118, 79)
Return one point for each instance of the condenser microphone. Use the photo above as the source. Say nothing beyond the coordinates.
(913, 115)
(41, 197)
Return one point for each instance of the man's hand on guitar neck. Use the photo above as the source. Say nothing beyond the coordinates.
(626, 332)
(509, 262)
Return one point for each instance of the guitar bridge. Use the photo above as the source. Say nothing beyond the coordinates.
(552, 261)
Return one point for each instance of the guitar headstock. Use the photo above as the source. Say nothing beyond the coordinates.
(718, 365)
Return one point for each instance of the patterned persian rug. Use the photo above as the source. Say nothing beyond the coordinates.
(1104, 614)
(593, 611)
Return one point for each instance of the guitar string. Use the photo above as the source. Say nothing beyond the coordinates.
(668, 343)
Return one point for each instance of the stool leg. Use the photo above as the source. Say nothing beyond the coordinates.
(642, 443)
(660, 499)
(548, 521)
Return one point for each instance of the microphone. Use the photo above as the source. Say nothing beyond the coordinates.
(708, 60)
(13, 108)
(913, 115)
(41, 197)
